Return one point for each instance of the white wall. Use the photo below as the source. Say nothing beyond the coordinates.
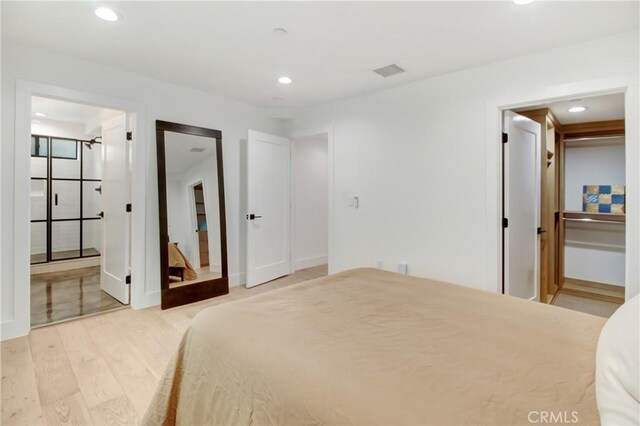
(417, 156)
(594, 162)
(162, 101)
(593, 253)
(310, 199)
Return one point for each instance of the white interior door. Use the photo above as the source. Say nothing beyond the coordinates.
(115, 196)
(521, 206)
(269, 208)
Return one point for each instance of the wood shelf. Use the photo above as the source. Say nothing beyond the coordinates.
(595, 217)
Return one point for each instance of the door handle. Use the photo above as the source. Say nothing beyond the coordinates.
(253, 216)
(56, 197)
(541, 231)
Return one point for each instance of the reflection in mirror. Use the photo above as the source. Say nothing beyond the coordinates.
(192, 209)
(192, 220)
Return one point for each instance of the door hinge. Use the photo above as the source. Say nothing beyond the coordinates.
(505, 137)
(129, 136)
(128, 207)
(505, 222)
(127, 279)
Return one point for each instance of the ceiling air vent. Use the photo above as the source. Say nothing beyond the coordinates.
(389, 70)
(196, 149)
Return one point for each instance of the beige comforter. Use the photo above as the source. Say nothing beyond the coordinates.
(371, 347)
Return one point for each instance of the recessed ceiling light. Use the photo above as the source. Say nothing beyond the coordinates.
(106, 14)
(280, 31)
(521, 2)
(285, 80)
(577, 109)
(39, 114)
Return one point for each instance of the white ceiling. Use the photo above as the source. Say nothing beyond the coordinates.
(599, 108)
(179, 158)
(330, 49)
(69, 112)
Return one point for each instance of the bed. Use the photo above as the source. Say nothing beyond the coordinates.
(372, 347)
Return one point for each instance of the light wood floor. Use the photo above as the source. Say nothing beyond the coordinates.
(587, 305)
(101, 370)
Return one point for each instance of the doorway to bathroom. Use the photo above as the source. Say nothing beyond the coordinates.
(79, 182)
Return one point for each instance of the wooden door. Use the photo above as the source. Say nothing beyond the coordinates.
(203, 230)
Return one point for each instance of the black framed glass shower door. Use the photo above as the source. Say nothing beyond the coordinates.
(65, 198)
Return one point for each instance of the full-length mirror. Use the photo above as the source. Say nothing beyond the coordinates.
(193, 248)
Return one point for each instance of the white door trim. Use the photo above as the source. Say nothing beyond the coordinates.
(328, 131)
(141, 296)
(628, 84)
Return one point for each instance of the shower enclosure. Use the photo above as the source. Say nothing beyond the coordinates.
(66, 183)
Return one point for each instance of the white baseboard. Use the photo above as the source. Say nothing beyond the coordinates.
(310, 262)
(12, 329)
(237, 280)
(150, 299)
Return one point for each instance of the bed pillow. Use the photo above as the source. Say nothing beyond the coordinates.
(617, 370)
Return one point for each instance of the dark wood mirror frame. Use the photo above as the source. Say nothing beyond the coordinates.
(182, 295)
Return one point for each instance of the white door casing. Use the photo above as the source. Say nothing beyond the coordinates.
(521, 173)
(269, 207)
(115, 221)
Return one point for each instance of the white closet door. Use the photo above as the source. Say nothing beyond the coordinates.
(522, 170)
(269, 208)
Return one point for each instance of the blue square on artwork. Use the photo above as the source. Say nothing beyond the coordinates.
(617, 198)
(584, 207)
(592, 198)
(584, 189)
(604, 208)
(605, 189)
